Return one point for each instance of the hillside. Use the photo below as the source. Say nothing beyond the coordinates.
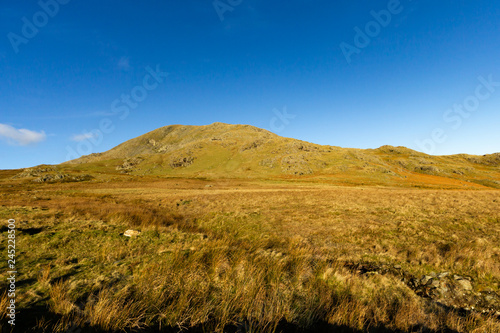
(243, 151)
(227, 228)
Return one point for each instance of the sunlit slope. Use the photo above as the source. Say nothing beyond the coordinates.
(223, 150)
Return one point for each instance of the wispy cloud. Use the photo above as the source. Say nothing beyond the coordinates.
(21, 136)
(82, 137)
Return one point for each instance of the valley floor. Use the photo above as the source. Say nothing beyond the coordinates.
(251, 256)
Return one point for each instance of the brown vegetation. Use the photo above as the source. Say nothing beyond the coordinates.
(242, 151)
(245, 231)
(257, 256)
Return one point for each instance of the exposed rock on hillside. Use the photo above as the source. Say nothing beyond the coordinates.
(49, 174)
(445, 288)
(223, 150)
(129, 164)
(181, 161)
(62, 177)
(295, 165)
(34, 172)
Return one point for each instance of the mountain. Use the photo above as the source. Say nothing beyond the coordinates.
(243, 151)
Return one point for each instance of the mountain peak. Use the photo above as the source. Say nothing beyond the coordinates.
(234, 150)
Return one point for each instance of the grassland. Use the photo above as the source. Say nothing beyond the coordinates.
(245, 231)
(250, 255)
(242, 151)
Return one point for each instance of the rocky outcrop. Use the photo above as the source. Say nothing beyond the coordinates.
(129, 164)
(50, 174)
(447, 289)
(251, 145)
(34, 172)
(427, 169)
(62, 177)
(182, 162)
(295, 165)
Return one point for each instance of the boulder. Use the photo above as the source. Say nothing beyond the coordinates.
(131, 233)
(465, 284)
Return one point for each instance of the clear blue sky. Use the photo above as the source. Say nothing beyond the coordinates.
(75, 75)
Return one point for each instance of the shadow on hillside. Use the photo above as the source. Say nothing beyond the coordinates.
(27, 320)
(321, 327)
(30, 231)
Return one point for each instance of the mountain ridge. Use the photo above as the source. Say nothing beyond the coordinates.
(244, 151)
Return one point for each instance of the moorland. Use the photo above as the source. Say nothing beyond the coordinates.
(240, 230)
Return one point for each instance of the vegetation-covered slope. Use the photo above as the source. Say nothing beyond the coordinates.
(240, 230)
(235, 151)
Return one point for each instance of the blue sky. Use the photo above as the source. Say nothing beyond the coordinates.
(83, 76)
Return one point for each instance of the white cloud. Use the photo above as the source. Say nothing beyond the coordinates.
(82, 137)
(21, 136)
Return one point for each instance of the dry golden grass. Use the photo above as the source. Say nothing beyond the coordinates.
(59, 299)
(247, 254)
(4, 302)
(112, 312)
(44, 276)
